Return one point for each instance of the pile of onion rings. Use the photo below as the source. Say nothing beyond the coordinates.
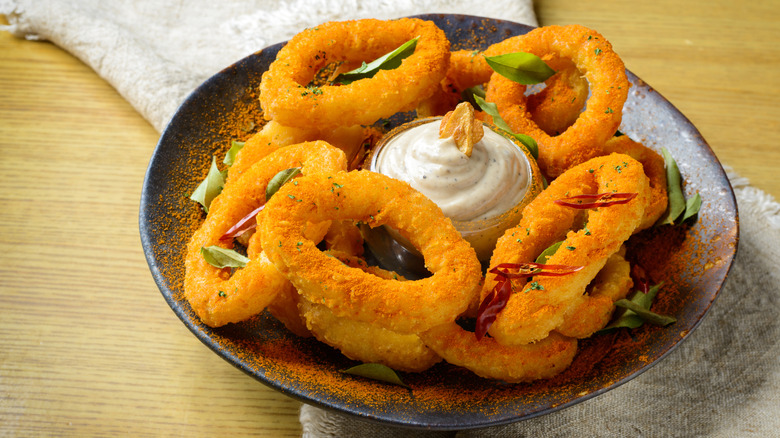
(305, 254)
(217, 297)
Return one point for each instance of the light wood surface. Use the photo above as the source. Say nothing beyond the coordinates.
(89, 347)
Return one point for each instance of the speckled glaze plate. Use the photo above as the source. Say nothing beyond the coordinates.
(692, 261)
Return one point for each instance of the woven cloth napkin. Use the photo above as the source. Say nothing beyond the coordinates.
(723, 381)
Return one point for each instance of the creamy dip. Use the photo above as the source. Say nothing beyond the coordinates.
(490, 182)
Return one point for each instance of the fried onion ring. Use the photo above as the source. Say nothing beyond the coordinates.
(612, 283)
(373, 199)
(467, 69)
(344, 237)
(215, 295)
(593, 56)
(489, 359)
(653, 164)
(556, 107)
(365, 341)
(350, 139)
(539, 307)
(285, 97)
(270, 138)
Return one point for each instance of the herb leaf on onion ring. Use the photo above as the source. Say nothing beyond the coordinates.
(258, 283)
(223, 258)
(400, 306)
(283, 93)
(491, 110)
(521, 67)
(387, 62)
(210, 187)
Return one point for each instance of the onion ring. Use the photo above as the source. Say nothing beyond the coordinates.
(593, 56)
(544, 304)
(284, 95)
(249, 289)
(270, 138)
(489, 359)
(612, 283)
(350, 139)
(373, 199)
(365, 341)
(467, 69)
(653, 164)
(344, 237)
(556, 107)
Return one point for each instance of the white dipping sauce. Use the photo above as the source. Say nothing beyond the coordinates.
(490, 182)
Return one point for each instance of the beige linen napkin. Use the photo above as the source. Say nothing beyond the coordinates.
(156, 52)
(723, 381)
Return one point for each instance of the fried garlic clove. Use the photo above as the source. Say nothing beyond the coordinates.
(461, 125)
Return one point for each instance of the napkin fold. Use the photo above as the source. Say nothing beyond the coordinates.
(722, 381)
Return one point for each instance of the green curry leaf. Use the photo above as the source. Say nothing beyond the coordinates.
(636, 311)
(692, 207)
(279, 180)
(230, 156)
(389, 61)
(520, 67)
(210, 187)
(547, 253)
(679, 210)
(674, 190)
(223, 258)
(492, 110)
(645, 314)
(376, 371)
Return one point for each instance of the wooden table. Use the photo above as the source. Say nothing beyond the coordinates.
(89, 346)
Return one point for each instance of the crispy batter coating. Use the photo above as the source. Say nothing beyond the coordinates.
(612, 283)
(215, 295)
(374, 199)
(593, 56)
(558, 105)
(489, 359)
(539, 307)
(365, 341)
(653, 164)
(286, 98)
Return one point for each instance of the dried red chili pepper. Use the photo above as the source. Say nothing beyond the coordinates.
(595, 200)
(640, 278)
(497, 299)
(492, 305)
(246, 223)
(531, 269)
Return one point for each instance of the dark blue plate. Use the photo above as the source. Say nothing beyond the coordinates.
(693, 262)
